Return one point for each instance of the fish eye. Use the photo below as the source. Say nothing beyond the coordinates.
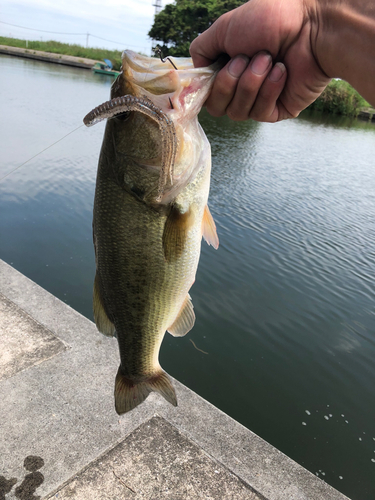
(123, 116)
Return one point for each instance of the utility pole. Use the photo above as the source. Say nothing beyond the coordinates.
(87, 39)
(157, 6)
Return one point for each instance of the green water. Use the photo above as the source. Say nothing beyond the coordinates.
(285, 308)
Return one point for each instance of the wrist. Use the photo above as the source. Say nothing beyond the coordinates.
(343, 41)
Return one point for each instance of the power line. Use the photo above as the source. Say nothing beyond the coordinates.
(42, 31)
(119, 43)
(81, 34)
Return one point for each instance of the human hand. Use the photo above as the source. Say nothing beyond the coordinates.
(273, 73)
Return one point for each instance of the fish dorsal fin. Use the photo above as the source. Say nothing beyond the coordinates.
(185, 319)
(103, 323)
(175, 232)
(209, 229)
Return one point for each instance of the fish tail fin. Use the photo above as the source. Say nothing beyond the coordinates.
(129, 393)
(161, 383)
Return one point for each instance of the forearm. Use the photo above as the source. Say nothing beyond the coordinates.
(343, 39)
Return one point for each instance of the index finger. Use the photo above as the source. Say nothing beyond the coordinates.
(206, 48)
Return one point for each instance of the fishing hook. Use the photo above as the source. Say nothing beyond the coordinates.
(158, 52)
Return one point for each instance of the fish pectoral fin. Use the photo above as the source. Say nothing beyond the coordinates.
(175, 232)
(209, 229)
(130, 393)
(185, 319)
(103, 323)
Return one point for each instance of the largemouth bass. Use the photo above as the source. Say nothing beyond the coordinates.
(150, 213)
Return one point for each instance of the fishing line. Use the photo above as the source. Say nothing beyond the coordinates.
(40, 152)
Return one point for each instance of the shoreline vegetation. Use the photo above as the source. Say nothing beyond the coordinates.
(66, 49)
(338, 98)
(341, 98)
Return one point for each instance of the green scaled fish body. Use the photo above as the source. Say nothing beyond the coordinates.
(150, 213)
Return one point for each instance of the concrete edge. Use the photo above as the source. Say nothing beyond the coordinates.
(78, 62)
(266, 470)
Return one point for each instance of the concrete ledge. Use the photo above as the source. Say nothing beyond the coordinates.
(78, 62)
(59, 414)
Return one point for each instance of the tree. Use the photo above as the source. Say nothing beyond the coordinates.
(180, 22)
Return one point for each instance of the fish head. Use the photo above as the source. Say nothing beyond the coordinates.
(174, 85)
(179, 90)
(158, 126)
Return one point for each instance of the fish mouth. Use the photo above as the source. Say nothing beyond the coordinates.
(172, 85)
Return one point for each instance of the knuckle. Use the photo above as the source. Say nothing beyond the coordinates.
(257, 116)
(236, 115)
(223, 88)
(217, 113)
(215, 106)
(247, 87)
(293, 114)
(269, 91)
(286, 112)
(263, 114)
(267, 94)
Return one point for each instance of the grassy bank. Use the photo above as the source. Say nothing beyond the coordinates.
(340, 98)
(66, 48)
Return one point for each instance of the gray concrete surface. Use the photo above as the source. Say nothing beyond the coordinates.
(78, 62)
(155, 461)
(24, 342)
(61, 437)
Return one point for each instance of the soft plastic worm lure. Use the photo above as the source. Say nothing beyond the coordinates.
(126, 103)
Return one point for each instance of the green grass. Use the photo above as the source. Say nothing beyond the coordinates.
(66, 48)
(340, 98)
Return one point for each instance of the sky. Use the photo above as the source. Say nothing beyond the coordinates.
(125, 22)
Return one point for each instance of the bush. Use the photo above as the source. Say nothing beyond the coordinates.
(339, 98)
(68, 49)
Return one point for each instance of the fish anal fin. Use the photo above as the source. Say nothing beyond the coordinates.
(185, 319)
(130, 393)
(175, 232)
(209, 229)
(103, 323)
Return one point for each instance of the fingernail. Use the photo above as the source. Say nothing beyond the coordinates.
(277, 72)
(238, 66)
(261, 63)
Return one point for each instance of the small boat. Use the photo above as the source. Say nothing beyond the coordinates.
(105, 68)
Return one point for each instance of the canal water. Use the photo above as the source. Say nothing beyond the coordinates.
(284, 340)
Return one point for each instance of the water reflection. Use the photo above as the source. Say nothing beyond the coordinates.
(336, 121)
